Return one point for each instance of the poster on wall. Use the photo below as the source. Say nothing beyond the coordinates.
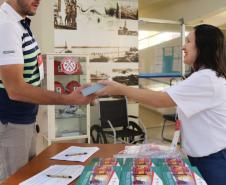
(167, 60)
(105, 30)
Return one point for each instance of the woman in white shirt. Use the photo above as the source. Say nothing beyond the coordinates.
(200, 101)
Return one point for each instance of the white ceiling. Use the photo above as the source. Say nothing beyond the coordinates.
(153, 4)
(217, 18)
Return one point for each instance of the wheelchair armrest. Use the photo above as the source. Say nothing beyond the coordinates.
(105, 120)
(135, 126)
(132, 116)
(110, 124)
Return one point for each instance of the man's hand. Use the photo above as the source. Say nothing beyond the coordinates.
(17, 89)
(78, 99)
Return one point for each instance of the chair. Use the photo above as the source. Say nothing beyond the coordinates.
(167, 117)
(114, 123)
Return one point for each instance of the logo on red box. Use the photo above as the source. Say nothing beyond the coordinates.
(70, 66)
(67, 66)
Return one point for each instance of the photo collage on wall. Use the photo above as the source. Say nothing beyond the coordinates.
(106, 31)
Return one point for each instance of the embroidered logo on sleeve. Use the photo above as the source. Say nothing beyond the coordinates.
(8, 52)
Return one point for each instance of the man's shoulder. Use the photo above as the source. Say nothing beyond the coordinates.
(7, 23)
(5, 19)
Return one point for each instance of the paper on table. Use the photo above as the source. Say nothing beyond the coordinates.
(72, 171)
(75, 153)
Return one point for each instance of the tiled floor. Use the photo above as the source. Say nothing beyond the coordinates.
(154, 133)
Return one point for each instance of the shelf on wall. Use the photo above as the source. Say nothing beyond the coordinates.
(159, 75)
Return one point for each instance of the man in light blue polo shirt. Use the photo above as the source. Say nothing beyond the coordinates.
(20, 94)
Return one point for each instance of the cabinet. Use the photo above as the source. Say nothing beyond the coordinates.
(63, 74)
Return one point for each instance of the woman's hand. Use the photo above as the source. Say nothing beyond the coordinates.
(111, 88)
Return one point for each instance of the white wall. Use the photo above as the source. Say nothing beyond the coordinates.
(42, 26)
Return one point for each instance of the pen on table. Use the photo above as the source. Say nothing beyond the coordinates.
(59, 176)
(74, 154)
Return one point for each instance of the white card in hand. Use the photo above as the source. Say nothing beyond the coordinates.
(92, 89)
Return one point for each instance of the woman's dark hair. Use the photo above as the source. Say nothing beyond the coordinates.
(210, 45)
